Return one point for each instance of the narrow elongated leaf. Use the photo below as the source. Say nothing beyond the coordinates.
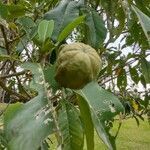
(49, 73)
(144, 21)
(145, 65)
(87, 122)
(103, 105)
(45, 29)
(134, 75)
(70, 127)
(63, 14)
(97, 30)
(69, 28)
(27, 125)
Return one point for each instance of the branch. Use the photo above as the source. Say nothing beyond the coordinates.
(19, 82)
(13, 74)
(5, 39)
(12, 92)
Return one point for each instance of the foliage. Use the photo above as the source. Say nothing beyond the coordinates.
(31, 33)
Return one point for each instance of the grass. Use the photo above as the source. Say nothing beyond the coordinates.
(130, 137)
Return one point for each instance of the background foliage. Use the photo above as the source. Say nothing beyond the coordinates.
(31, 33)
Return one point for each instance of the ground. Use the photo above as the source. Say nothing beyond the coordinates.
(130, 137)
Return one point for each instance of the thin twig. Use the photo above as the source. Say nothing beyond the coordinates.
(13, 74)
(19, 82)
(20, 96)
(5, 39)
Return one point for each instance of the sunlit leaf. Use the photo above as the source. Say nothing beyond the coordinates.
(11, 11)
(69, 28)
(70, 127)
(32, 120)
(87, 122)
(144, 21)
(103, 106)
(45, 29)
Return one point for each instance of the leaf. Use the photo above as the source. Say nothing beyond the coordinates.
(11, 11)
(26, 126)
(70, 127)
(45, 29)
(97, 31)
(144, 21)
(142, 79)
(120, 16)
(103, 106)
(68, 29)
(3, 141)
(28, 25)
(49, 73)
(134, 74)
(87, 122)
(22, 44)
(3, 10)
(145, 65)
(63, 14)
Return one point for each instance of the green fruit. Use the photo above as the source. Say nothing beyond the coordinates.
(77, 64)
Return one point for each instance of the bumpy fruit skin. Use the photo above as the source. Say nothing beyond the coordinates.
(77, 64)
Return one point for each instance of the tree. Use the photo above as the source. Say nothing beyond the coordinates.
(30, 36)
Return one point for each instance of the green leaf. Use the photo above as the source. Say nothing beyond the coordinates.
(32, 121)
(28, 25)
(63, 14)
(3, 141)
(3, 10)
(47, 47)
(11, 111)
(45, 29)
(69, 28)
(22, 44)
(49, 73)
(11, 11)
(145, 65)
(97, 31)
(103, 106)
(70, 127)
(144, 21)
(26, 126)
(87, 122)
(134, 74)
(142, 79)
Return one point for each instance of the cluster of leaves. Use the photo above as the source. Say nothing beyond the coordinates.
(31, 33)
